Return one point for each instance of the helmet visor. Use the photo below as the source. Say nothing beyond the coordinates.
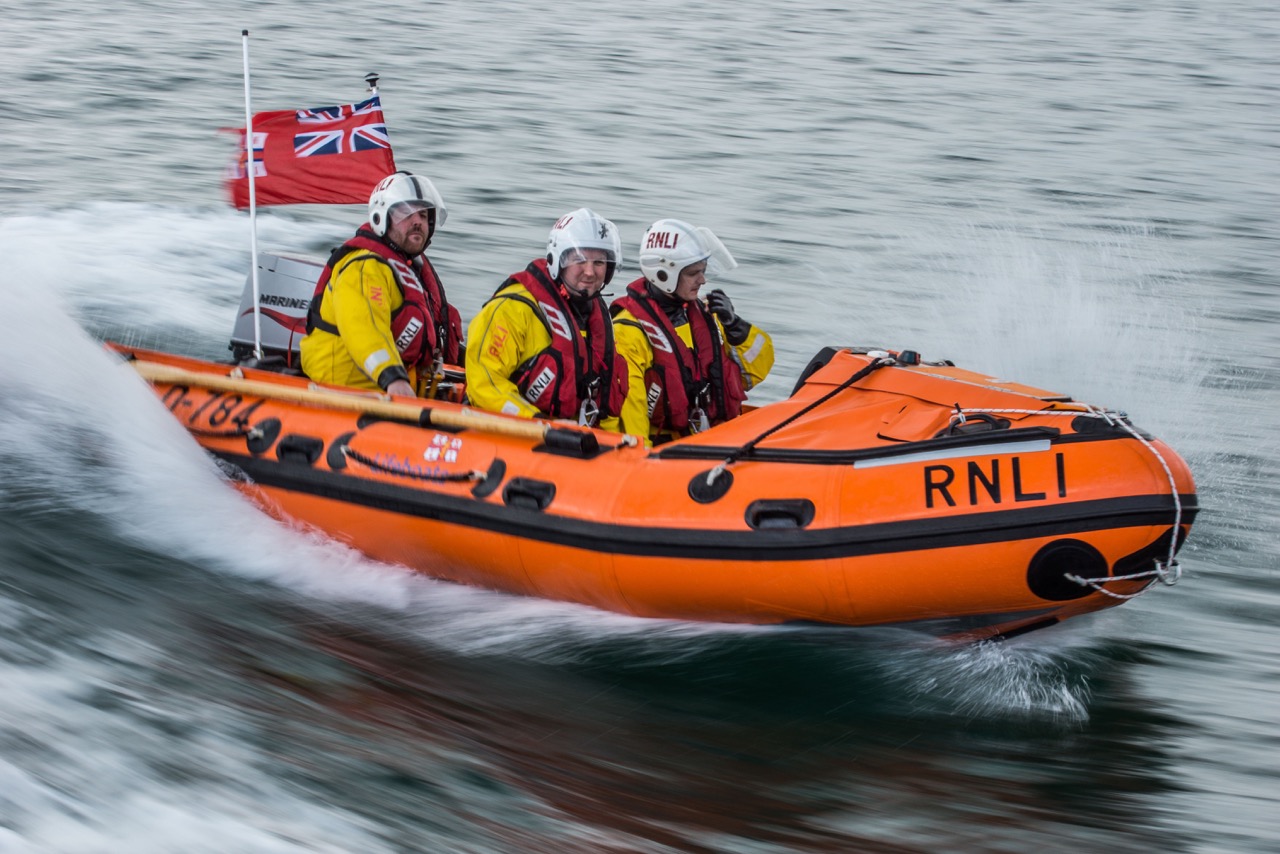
(719, 260)
(401, 210)
(579, 255)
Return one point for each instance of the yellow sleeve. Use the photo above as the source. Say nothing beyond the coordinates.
(633, 345)
(363, 294)
(503, 335)
(754, 356)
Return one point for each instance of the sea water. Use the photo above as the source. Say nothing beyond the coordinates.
(1081, 197)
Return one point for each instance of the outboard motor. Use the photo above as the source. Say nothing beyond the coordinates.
(285, 286)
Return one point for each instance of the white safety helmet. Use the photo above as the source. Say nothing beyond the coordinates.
(670, 245)
(403, 188)
(583, 229)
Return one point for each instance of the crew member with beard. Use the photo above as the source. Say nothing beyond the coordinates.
(542, 346)
(379, 318)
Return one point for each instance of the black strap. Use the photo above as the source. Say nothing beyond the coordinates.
(745, 450)
(314, 320)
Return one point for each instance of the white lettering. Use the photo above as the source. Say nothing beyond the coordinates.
(405, 275)
(539, 385)
(557, 321)
(655, 392)
(656, 336)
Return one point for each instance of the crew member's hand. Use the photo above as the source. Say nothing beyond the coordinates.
(736, 329)
(719, 303)
(401, 387)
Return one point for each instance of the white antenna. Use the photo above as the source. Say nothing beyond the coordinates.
(250, 166)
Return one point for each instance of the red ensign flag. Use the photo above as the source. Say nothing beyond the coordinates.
(326, 156)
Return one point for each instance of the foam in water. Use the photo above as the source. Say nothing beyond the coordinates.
(148, 268)
(104, 444)
(1105, 322)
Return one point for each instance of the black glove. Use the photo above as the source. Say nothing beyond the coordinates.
(718, 302)
(736, 329)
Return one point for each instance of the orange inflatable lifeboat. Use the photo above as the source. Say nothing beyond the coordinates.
(883, 491)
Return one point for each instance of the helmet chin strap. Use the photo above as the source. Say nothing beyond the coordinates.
(570, 294)
(579, 296)
(580, 303)
(664, 299)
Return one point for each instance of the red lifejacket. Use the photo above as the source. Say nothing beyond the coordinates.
(425, 326)
(576, 369)
(683, 378)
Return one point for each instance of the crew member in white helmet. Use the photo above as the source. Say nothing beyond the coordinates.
(542, 346)
(690, 363)
(379, 317)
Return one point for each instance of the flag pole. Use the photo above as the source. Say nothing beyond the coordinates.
(250, 167)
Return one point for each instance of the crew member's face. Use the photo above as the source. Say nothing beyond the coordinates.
(691, 279)
(410, 229)
(583, 270)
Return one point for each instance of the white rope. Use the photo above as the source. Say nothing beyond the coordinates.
(1167, 574)
(1169, 571)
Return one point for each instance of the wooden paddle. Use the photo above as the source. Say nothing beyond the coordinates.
(580, 441)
